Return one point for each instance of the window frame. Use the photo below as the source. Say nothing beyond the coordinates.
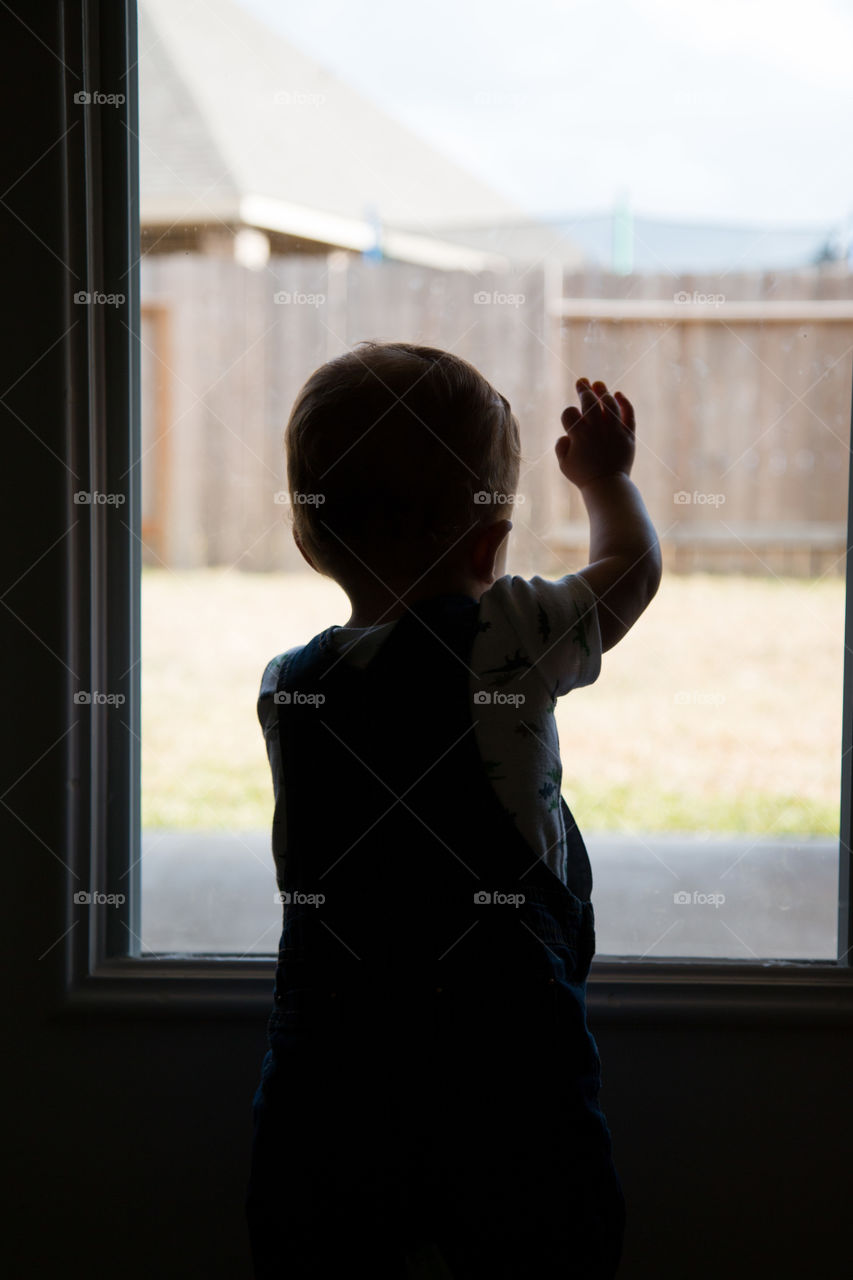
(102, 973)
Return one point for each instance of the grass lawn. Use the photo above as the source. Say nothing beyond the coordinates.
(719, 712)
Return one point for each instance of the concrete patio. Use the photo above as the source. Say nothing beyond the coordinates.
(741, 898)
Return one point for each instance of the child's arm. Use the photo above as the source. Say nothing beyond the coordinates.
(597, 454)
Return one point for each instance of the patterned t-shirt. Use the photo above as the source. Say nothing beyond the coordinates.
(537, 640)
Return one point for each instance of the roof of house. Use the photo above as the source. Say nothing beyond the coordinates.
(613, 241)
(238, 125)
(665, 245)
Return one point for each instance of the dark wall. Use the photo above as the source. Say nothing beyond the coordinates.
(129, 1137)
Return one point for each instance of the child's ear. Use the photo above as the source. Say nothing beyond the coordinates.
(487, 544)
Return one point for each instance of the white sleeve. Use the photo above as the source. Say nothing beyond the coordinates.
(556, 624)
(268, 717)
(266, 697)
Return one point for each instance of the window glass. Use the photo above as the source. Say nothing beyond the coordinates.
(624, 192)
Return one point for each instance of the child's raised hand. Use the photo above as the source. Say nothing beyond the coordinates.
(599, 439)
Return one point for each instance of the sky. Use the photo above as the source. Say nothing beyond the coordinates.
(730, 111)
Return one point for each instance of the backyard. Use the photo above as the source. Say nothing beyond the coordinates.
(720, 712)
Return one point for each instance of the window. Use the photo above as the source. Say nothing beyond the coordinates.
(109, 556)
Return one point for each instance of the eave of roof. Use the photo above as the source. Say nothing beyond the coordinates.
(229, 134)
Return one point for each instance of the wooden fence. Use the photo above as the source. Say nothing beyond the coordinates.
(741, 384)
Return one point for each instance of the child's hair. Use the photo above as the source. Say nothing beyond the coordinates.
(390, 448)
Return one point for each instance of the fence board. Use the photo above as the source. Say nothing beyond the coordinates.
(740, 402)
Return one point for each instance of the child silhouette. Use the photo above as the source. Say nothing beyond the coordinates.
(428, 1103)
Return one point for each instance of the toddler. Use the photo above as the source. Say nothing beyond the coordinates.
(428, 1104)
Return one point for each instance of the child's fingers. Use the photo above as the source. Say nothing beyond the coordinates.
(570, 416)
(611, 405)
(627, 411)
(586, 395)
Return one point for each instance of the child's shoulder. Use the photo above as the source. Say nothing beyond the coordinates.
(272, 671)
(555, 623)
(537, 597)
(266, 706)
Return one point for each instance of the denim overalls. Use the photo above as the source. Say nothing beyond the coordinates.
(430, 1073)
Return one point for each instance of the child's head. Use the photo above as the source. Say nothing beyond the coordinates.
(390, 449)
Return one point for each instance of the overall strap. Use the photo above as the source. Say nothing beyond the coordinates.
(393, 822)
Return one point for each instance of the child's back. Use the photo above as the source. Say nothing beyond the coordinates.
(430, 1071)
